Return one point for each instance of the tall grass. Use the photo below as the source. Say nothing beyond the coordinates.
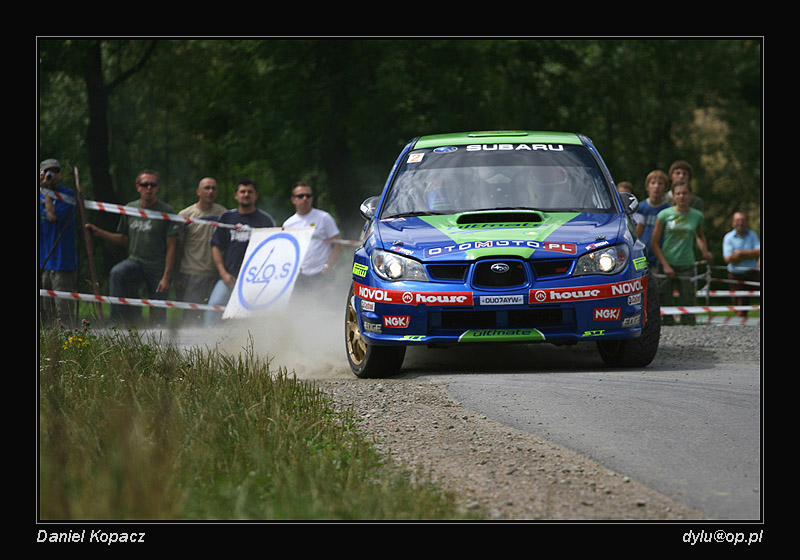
(134, 429)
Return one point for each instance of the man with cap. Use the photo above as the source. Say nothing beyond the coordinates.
(58, 256)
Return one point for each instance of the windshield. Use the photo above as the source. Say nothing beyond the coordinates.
(486, 177)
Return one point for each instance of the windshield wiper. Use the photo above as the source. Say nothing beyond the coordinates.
(528, 208)
(417, 213)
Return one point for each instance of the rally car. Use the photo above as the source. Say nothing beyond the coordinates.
(499, 237)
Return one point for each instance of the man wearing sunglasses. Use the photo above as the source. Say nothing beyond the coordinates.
(321, 254)
(151, 244)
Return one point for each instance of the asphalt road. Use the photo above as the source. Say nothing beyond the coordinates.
(688, 429)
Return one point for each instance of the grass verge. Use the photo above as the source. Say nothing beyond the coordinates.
(133, 429)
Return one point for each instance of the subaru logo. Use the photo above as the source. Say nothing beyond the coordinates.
(499, 268)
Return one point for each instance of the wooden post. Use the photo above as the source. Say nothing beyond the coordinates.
(87, 237)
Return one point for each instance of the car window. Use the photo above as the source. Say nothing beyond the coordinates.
(468, 178)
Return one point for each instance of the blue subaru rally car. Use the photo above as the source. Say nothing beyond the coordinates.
(500, 237)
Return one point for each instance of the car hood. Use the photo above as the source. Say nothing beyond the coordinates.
(472, 235)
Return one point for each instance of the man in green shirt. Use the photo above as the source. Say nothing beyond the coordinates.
(676, 231)
(151, 247)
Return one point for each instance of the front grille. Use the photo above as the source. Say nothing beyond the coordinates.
(535, 318)
(468, 319)
(544, 269)
(547, 318)
(499, 274)
(448, 272)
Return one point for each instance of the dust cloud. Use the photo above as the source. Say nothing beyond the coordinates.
(306, 337)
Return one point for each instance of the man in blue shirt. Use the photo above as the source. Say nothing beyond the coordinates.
(58, 256)
(656, 185)
(741, 248)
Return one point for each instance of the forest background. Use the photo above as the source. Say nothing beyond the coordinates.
(336, 113)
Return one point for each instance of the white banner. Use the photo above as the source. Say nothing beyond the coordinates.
(269, 269)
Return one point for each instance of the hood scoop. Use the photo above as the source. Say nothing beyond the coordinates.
(510, 216)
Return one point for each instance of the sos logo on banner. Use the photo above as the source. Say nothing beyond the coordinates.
(269, 270)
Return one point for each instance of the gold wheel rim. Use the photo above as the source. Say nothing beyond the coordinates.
(356, 347)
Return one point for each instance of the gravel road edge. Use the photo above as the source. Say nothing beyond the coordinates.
(508, 474)
(496, 470)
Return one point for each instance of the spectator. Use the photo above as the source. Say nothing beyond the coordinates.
(674, 235)
(741, 248)
(58, 256)
(152, 246)
(197, 273)
(321, 255)
(228, 246)
(682, 171)
(625, 186)
(656, 185)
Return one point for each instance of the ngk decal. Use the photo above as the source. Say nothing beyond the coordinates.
(396, 321)
(607, 314)
(412, 298)
(583, 293)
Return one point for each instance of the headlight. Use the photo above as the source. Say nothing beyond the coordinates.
(604, 261)
(394, 267)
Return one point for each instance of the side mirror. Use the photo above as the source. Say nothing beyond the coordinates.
(369, 206)
(629, 202)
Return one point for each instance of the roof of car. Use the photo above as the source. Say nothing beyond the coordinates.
(500, 136)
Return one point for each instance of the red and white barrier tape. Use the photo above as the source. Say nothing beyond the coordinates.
(728, 293)
(724, 293)
(138, 212)
(142, 213)
(691, 310)
(737, 282)
(349, 242)
(129, 301)
(728, 320)
(199, 306)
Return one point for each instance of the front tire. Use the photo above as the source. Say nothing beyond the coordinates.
(368, 360)
(637, 352)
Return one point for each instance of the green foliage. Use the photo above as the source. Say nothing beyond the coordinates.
(337, 111)
(134, 429)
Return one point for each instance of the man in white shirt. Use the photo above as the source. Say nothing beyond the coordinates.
(322, 253)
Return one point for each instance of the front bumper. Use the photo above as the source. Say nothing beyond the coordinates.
(431, 313)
